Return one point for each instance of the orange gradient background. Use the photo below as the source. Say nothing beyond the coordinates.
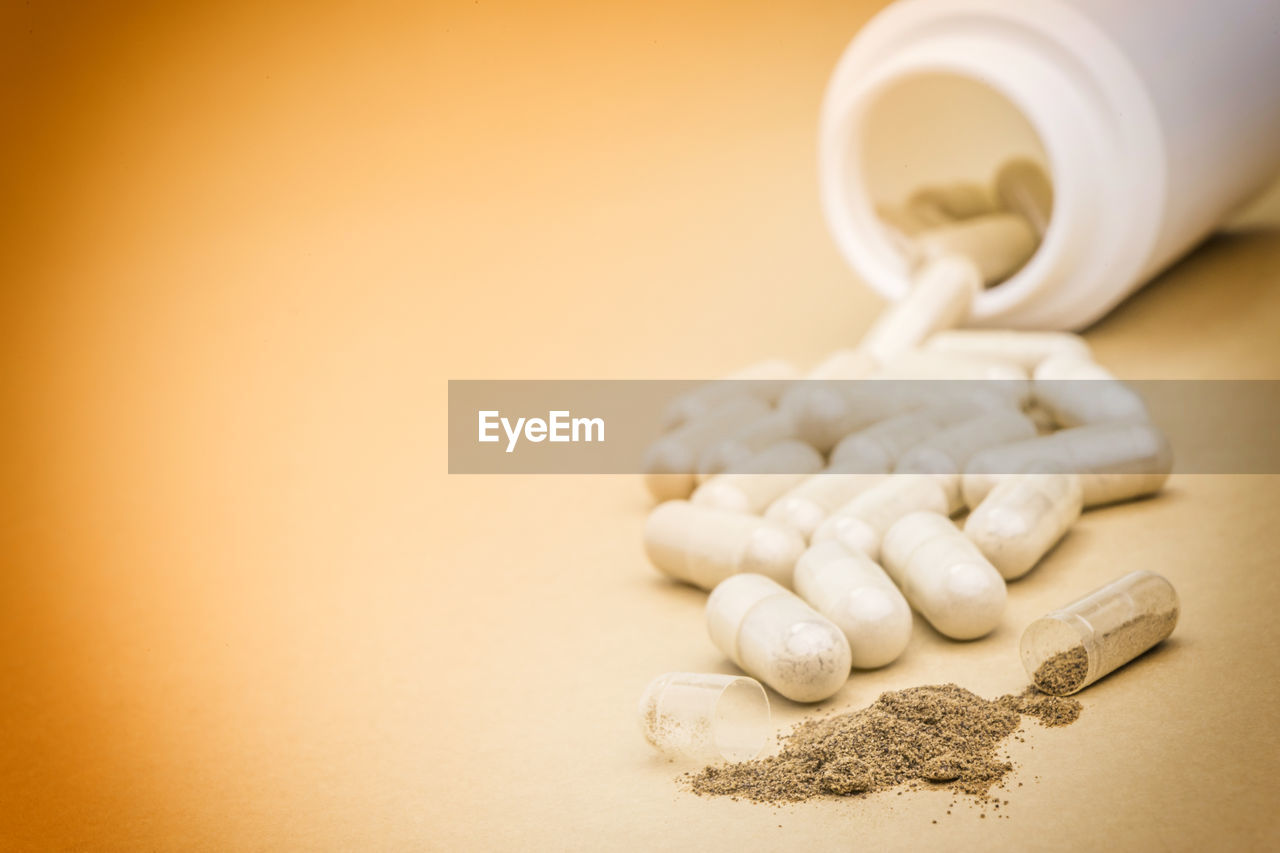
(242, 605)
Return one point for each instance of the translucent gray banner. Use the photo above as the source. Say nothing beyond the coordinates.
(608, 426)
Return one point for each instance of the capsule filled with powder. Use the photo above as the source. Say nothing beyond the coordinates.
(1068, 649)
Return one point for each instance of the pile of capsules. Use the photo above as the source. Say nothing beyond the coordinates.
(819, 511)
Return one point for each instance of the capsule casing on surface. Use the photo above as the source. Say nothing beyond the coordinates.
(1115, 462)
(944, 575)
(851, 590)
(754, 484)
(703, 545)
(806, 506)
(765, 381)
(1026, 349)
(1023, 517)
(671, 462)
(1068, 649)
(860, 524)
(947, 452)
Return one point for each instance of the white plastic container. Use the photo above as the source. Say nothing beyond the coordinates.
(1156, 120)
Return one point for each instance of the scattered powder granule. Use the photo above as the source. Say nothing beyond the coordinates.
(1051, 711)
(921, 736)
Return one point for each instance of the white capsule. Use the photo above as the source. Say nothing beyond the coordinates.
(747, 441)
(877, 448)
(853, 592)
(1024, 188)
(703, 545)
(671, 461)
(946, 453)
(947, 202)
(1022, 518)
(755, 483)
(922, 364)
(1076, 391)
(766, 381)
(775, 637)
(1025, 349)
(941, 293)
(804, 507)
(1116, 462)
(861, 523)
(944, 575)
(998, 244)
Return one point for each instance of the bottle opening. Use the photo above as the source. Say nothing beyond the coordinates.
(945, 163)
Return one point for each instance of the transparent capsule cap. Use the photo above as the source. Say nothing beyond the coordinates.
(703, 716)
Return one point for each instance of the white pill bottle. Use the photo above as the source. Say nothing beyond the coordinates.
(1155, 119)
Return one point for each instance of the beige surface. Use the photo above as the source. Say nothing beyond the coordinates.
(244, 607)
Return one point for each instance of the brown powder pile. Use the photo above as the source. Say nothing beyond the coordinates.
(919, 736)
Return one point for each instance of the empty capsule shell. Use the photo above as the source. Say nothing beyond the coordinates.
(705, 716)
